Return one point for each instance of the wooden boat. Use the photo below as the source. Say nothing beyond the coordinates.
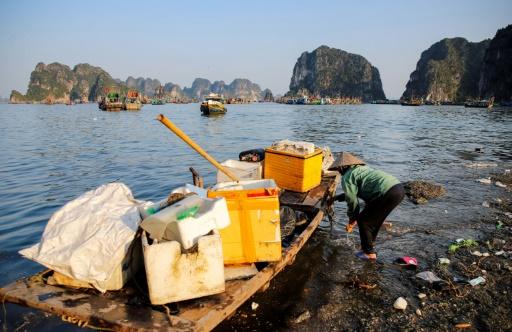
(411, 102)
(111, 101)
(132, 101)
(213, 104)
(485, 103)
(124, 310)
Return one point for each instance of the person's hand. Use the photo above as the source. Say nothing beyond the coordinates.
(350, 226)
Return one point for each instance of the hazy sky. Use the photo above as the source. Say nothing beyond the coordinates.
(222, 40)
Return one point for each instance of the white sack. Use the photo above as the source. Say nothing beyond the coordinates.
(88, 237)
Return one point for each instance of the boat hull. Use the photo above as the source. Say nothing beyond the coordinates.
(132, 106)
(111, 107)
(209, 109)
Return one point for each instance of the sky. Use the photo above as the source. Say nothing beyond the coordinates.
(177, 41)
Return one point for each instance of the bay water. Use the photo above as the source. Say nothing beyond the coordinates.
(50, 154)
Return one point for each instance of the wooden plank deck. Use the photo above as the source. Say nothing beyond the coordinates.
(124, 312)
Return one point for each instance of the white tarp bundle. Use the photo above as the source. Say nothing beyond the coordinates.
(88, 238)
(294, 146)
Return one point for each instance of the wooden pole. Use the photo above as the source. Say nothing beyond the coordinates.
(194, 146)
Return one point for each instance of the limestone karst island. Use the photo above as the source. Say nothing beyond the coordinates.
(256, 166)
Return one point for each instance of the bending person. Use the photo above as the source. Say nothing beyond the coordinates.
(381, 193)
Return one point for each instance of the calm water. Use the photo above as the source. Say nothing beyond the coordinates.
(51, 154)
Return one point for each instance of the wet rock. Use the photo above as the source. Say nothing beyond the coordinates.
(419, 192)
(400, 304)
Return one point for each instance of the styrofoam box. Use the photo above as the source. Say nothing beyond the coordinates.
(212, 214)
(175, 276)
(243, 169)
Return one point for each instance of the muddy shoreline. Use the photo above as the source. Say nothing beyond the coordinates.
(327, 289)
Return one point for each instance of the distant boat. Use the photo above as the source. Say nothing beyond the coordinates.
(411, 102)
(485, 103)
(132, 101)
(157, 101)
(213, 104)
(111, 101)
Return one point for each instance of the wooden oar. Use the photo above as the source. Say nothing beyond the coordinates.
(195, 146)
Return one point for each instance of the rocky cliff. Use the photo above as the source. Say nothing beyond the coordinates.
(496, 73)
(448, 71)
(239, 88)
(330, 72)
(57, 83)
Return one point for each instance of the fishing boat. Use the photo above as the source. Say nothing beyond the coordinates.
(411, 102)
(484, 103)
(132, 101)
(213, 104)
(157, 101)
(111, 101)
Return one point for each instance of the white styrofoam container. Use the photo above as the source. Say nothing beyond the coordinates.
(243, 169)
(175, 276)
(212, 214)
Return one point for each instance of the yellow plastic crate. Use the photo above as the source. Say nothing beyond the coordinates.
(254, 234)
(293, 171)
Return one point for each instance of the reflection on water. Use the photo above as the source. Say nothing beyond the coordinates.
(51, 154)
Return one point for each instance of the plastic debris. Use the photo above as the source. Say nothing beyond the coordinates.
(460, 243)
(500, 184)
(302, 317)
(407, 262)
(428, 276)
(485, 254)
(477, 281)
(444, 261)
(476, 253)
(418, 312)
(499, 253)
(422, 296)
(462, 325)
(485, 180)
(486, 204)
(481, 165)
(499, 225)
(400, 304)
(254, 306)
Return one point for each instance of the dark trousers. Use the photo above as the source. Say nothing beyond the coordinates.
(373, 215)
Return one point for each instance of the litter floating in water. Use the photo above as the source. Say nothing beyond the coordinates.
(254, 306)
(485, 180)
(400, 304)
(499, 184)
(477, 281)
(481, 165)
(444, 261)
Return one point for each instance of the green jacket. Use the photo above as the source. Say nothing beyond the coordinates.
(365, 183)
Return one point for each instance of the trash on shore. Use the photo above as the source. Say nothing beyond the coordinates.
(400, 304)
(444, 261)
(477, 281)
(419, 192)
(462, 325)
(407, 262)
(428, 276)
(254, 306)
(461, 243)
(422, 296)
(485, 181)
(499, 184)
(302, 317)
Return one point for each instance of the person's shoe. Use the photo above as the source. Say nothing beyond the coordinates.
(367, 257)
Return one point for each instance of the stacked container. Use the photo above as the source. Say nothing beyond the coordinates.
(254, 233)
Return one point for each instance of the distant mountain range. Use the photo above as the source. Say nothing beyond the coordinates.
(58, 83)
(452, 69)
